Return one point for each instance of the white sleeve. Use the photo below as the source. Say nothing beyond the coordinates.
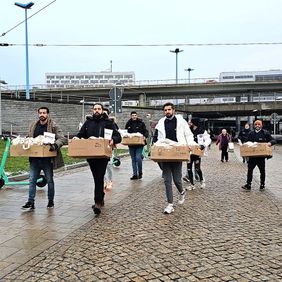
(207, 139)
(189, 137)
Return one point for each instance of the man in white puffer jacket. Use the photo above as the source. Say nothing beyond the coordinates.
(175, 128)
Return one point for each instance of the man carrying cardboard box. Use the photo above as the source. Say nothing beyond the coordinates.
(96, 126)
(261, 136)
(175, 128)
(47, 164)
(135, 125)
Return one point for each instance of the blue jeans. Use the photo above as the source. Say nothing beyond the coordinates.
(36, 165)
(136, 159)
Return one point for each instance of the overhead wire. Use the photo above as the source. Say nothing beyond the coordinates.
(146, 45)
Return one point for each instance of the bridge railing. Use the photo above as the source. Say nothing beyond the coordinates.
(107, 85)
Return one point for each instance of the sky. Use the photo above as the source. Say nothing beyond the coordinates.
(167, 23)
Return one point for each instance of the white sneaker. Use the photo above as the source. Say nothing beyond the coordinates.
(191, 187)
(203, 185)
(169, 209)
(186, 179)
(181, 198)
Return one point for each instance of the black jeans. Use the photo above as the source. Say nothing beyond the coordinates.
(224, 153)
(98, 169)
(197, 160)
(253, 162)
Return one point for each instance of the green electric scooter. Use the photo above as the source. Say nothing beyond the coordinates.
(4, 180)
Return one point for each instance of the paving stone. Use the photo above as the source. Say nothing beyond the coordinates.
(221, 233)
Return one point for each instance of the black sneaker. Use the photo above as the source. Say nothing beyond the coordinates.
(247, 187)
(140, 175)
(134, 177)
(50, 204)
(28, 206)
(261, 187)
(96, 210)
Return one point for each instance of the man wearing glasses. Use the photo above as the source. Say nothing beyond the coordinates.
(261, 136)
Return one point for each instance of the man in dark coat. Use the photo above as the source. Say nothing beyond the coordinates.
(261, 136)
(95, 126)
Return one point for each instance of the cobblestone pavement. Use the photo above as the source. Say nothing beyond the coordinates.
(221, 233)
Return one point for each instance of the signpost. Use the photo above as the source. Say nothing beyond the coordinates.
(115, 101)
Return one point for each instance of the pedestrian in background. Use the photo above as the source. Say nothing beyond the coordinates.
(47, 164)
(243, 137)
(261, 136)
(136, 125)
(202, 138)
(223, 139)
(175, 128)
(95, 126)
(108, 179)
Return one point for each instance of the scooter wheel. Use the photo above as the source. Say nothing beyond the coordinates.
(2, 182)
(43, 182)
(116, 162)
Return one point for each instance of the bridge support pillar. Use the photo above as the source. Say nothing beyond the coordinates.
(238, 127)
(142, 100)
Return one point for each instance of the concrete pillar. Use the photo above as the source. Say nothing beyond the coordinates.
(238, 127)
(142, 100)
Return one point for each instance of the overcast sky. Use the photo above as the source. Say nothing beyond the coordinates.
(141, 22)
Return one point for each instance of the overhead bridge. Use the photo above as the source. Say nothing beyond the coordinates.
(184, 93)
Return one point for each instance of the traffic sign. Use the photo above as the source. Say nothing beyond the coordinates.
(274, 118)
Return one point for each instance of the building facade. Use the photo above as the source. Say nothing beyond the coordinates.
(88, 79)
(241, 76)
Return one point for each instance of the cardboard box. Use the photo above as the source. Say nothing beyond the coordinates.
(261, 150)
(39, 151)
(134, 140)
(89, 148)
(197, 151)
(170, 153)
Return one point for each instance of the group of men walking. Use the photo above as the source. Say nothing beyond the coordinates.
(172, 126)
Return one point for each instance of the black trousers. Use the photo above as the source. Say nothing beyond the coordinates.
(197, 160)
(253, 162)
(98, 169)
(224, 153)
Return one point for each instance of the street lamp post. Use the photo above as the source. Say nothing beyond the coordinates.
(1, 82)
(26, 7)
(189, 72)
(176, 51)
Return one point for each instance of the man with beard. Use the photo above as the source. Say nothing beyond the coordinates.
(175, 128)
(202, 138)
(95, 126)
(47, 164)
(261, 136)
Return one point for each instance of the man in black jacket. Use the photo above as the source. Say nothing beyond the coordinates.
(95, 126)
(261, 136)
(135, 125)
(243, 137)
